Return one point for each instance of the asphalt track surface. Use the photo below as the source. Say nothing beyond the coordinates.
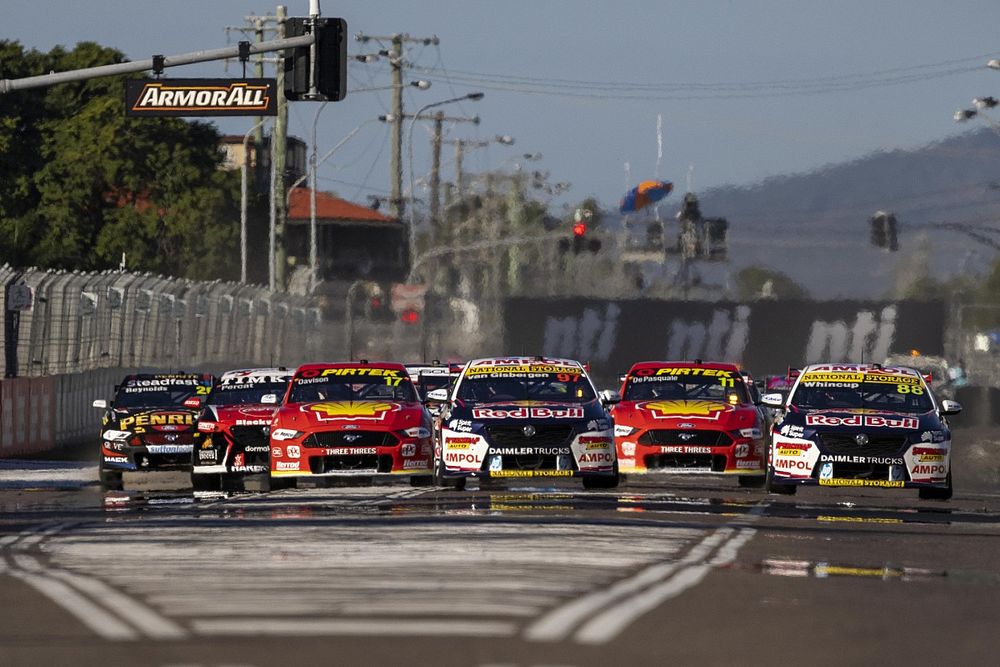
(688, 570)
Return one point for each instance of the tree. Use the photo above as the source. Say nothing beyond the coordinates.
(82, 183)
(756, 282)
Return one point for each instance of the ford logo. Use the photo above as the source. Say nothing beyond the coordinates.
(685, 425)
(861, 439)
(528, 431)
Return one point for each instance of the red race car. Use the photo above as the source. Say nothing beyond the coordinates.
(234, 422)
(694, 417)
(351, 419)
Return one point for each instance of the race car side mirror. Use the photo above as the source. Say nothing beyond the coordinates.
(950, 407)
(610, 397)
(269, 399)
(100, 403)
(773, 400)
(437, 396)
(193, 402)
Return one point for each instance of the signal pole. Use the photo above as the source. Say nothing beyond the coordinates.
(279, 154)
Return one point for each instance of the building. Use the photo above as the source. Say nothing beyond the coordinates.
(353, 242)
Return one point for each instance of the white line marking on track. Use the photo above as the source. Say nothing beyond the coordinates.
(558, 623)
(144, 618)
(97, 619)
(368, 627)
(607, 625)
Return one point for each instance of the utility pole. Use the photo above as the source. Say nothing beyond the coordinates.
(439, 119)
(395, 55)
(436, 179)
(396, 142)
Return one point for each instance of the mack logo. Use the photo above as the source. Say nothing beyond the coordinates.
(201, 97)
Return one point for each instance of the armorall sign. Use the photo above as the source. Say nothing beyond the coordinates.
(201, 97)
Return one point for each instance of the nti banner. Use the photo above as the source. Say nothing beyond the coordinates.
(201, 97)
(764, 336)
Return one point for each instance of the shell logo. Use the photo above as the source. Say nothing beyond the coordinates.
(692, 409)
(363, 410)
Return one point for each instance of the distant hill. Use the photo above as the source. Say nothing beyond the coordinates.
(814, 226)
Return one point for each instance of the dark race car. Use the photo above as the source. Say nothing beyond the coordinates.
(234, 423)
(856, 425)
(150, 424)
(347, 419)
(525, 417)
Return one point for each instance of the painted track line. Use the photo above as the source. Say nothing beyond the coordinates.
(368, 627)
(100, 621)
(557, 624)
(608, 624)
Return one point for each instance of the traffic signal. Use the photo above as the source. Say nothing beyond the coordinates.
(331, 61)
(580, 240)
(884, 232)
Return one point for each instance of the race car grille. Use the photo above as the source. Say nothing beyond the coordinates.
(531, 462)
(844, 443)
(544, 436)
(163, 461)
(703, 437)
(168, 438)
(351, 439)
(707, 462)
(362, 463)
(250, 436)
(860, 471)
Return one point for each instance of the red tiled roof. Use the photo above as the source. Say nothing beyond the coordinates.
(329, 207)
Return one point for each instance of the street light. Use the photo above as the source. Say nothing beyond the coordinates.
(313, 165)
(409, 140)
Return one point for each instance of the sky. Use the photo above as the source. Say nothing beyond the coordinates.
(744, 90)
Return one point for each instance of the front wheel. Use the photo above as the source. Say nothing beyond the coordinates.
(200, 482)
(111, 480)
(780, 489)
(457, 483)
(933, 493)
(610, 482)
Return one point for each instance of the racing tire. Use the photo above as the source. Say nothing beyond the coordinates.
(752, 481)
(457, 483)
(603, 482)
(206, 482)
(935, 493)
(111, 480)
(780, 489)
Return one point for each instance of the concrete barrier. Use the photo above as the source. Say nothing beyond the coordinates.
(27, 416)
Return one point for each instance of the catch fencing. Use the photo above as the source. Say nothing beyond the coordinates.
(69, 336)
(69, 322)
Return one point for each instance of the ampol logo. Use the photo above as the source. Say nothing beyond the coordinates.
(693, 409)
(355, 410)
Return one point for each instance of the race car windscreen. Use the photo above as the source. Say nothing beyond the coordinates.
(497, 384)
(850, 391)
(245, 394)
(158, 392)
(352, 384)
(728, 388)
(431, 382)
